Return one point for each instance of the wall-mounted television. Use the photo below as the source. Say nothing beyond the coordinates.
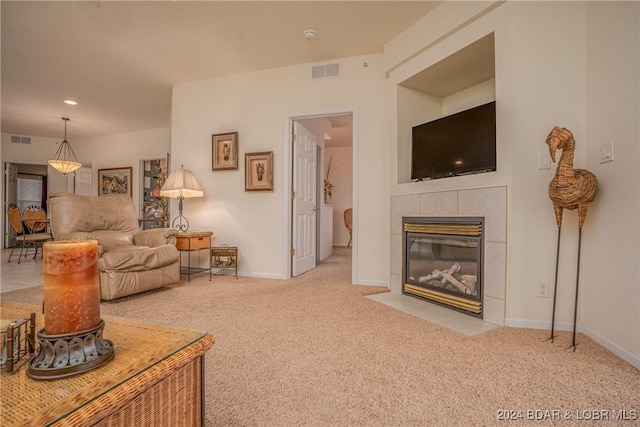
(460, 144)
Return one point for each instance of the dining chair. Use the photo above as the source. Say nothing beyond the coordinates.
(35, 218)
(24, 240)
(348, 219)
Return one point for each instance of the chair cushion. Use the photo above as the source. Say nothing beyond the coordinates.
(138, 258)
(37, 237)
(72, 213)
(110, 239)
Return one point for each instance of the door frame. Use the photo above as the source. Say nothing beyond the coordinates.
(287, 176)
(9, 235)
(6, 227)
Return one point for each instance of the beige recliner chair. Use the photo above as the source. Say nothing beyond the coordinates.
(131, 260)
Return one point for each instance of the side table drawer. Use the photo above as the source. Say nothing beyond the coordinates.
(194, 241)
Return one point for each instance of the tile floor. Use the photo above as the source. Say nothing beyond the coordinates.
(433, 313)
(14, 276)
(28, 273)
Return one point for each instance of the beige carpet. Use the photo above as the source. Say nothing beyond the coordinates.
(312, 351)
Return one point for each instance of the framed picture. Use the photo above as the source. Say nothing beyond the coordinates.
(258, 171)
(115, 182)
(224, 149)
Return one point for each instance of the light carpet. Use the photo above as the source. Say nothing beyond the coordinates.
(312, 351)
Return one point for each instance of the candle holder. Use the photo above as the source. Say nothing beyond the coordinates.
(70, 354)
(71, 341)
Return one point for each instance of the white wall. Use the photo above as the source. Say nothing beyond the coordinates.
(256, 105)
(542, 49)
(109, 151)
(611, 304)
(37, 153)
(124, 150)
(539, 98)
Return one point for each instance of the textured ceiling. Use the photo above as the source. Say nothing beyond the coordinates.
(120, 59)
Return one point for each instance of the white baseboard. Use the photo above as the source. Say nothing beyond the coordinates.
(539, 324)
(260, 275)
(614, 348)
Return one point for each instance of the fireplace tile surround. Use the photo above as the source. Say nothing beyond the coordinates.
(490, 203)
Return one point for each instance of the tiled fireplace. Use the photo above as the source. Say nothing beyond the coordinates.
(487, 203)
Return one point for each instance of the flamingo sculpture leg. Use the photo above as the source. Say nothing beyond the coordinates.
(570, 189)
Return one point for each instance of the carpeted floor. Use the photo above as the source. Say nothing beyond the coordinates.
(312, 351)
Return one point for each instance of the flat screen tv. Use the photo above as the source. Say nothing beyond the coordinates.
(460, 144)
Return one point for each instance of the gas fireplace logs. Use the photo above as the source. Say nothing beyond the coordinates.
(465, 283)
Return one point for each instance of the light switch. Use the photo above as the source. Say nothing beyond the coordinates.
(544, 160)
(606, 152)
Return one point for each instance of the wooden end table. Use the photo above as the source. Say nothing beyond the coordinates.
(190, 242)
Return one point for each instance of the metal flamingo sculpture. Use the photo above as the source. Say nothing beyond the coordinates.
(570, 189)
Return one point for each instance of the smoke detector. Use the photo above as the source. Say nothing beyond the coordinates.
(309, 34)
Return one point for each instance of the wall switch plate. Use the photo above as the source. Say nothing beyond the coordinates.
(543, 289)
(544, 160)
(606, 152)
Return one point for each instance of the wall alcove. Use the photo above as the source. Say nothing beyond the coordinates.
(458, 82)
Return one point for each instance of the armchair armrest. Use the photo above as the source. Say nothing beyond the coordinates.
(155, 237)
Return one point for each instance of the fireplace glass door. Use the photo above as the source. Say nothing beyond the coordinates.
(443, 261)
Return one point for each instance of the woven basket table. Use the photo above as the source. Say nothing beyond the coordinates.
(155, 379)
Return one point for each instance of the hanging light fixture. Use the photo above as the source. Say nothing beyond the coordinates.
(66, 160)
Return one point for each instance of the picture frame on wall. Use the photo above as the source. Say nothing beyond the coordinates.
(258, 171)
(115, 182)
(224, 150)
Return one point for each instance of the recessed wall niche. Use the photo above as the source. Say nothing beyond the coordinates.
(463, 80)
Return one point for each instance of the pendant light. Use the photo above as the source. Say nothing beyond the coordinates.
(66, 160)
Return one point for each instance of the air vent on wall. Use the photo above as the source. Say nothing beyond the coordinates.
(20, 139)
(325, 71)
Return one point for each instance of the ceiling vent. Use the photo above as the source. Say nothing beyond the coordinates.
(21, 139)
(325, 71)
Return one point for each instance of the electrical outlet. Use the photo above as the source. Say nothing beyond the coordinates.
(543, 289)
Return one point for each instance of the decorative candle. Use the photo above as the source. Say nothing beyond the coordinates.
(71, 288)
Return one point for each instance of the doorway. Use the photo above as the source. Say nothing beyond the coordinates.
(334, 184)
(25, 185)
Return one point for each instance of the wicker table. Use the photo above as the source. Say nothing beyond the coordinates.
(155, 379)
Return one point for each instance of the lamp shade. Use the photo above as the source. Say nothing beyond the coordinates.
(181, 183)
(65, 161)
(64, 166)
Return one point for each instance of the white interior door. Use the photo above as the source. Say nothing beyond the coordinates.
(83, 181)
(304, 194)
